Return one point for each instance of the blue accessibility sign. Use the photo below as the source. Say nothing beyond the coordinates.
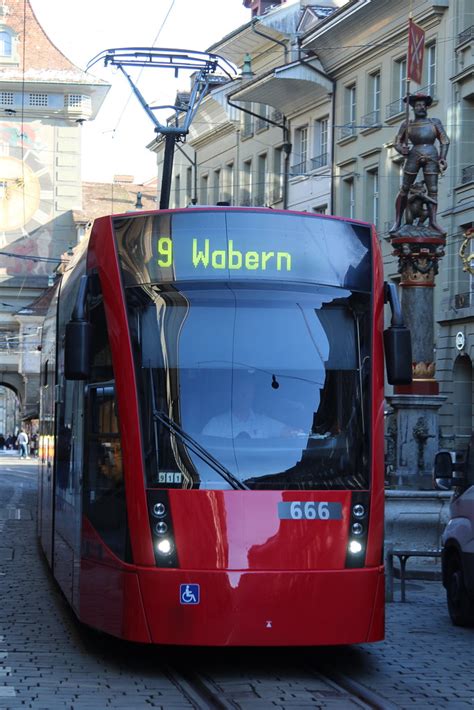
(189, 593)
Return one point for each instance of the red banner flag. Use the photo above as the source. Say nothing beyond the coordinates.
(416, 49)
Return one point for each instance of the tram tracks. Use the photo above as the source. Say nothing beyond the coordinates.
(236, 689)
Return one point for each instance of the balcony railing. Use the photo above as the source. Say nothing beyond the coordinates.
(247, 130)
(466, 35)
(277, 194)
(319, 161)
(399, 105)
(371, 120)
(467, 174)
(347, 131)
(395, 107)
(245, 198)
(298, 169)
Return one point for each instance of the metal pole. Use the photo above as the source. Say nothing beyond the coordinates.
(407, 111)
(167, 171)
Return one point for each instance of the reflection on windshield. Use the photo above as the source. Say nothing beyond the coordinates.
(268, 381)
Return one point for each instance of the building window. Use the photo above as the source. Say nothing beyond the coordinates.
(73, 100)
(348, 198)
(261, 122)
(373, 118)
(246, 193)
(247, 123)
(278, 172)
(189, 185)
(321, 142)
(350, 112)
(5, 44)
(261, 180)
(177, 190)
(373, 196)
(301, 151)
(37, 99)
(430, 64)
(216, 187)
(204, 185)
(229, 181)
(399, 87)
(401, 79)
(6, 98)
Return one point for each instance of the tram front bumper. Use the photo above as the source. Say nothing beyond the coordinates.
(241, 608)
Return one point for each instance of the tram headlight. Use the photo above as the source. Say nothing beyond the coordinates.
(164, 546)
(355, 547)
(161, 527)
(358, 511)
(159, 510)
(357, 528)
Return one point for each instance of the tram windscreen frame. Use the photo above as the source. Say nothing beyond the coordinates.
(300, 351)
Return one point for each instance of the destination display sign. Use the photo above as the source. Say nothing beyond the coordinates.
(229, 245)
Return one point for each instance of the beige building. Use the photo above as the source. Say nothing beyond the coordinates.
(363, 47)
(332, 75)
(264, 139)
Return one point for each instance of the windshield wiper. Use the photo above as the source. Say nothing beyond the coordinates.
(199, 450)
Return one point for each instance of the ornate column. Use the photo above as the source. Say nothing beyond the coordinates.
(419, 245)
(419, 249)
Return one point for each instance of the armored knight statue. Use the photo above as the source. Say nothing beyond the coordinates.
(422, 132)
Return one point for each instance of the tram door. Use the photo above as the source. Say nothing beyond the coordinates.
(46, 440)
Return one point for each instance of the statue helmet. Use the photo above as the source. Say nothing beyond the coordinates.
(412, 98)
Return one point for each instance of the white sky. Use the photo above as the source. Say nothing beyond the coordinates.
(115, 142)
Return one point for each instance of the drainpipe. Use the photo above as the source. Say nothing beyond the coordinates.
(272, 39)
(333, 141)
(286, 163)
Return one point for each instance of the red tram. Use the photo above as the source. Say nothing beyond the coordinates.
(211, 466)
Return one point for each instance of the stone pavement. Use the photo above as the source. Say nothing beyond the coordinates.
(424, 660)
(48, 661)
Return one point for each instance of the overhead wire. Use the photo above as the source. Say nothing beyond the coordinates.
(142, 69)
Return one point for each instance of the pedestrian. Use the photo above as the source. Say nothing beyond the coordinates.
(22, 442)
(34, 445)
(2, 442)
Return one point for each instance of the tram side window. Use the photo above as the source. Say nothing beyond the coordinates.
(104, 489)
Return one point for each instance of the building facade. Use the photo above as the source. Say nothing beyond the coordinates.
(44, 99)
(316, 109)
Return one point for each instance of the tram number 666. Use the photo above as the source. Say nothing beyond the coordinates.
(309, 510)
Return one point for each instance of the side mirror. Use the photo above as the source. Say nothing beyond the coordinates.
(446, 474)
(397, 342)
(77, 350)
(77, 345)
(398, 358)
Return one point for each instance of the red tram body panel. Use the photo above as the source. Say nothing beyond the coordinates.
(216, 477)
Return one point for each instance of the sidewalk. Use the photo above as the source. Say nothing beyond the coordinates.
(8, 456)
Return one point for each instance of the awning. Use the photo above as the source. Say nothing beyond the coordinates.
(288, 88)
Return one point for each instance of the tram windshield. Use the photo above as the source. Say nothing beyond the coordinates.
(271, 383)
(252, 364)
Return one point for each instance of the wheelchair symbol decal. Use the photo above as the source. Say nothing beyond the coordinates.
(189, 593)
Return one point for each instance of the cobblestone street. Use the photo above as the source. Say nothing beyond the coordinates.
(48, 661)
